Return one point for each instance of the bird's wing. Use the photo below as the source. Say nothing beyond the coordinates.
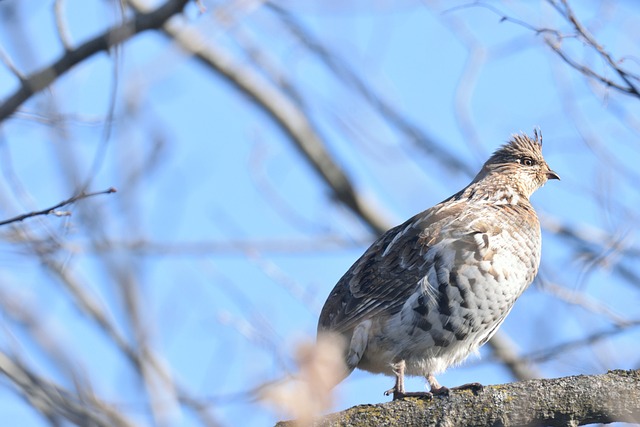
(390, 271)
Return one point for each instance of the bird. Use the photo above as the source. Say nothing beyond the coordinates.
(432, 290)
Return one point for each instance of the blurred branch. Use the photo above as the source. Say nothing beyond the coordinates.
(283, 110)
(340, 69)
(19, 313)
(565, 348)
(505, 352)
(57, 403)
(582, 300)
(572, 401)
(142, 360)
(7, 62)
(61, 25)
(596, 245)
(53, 210)
(33, 83)
(317, 243)
(288, 209)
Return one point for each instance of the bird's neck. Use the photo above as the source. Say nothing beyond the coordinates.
(494, 190)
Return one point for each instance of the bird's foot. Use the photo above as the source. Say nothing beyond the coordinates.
(440, 391)
(474, 387)
(444, 391)
(398, 394)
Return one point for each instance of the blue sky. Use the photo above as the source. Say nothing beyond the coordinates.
(195, 163)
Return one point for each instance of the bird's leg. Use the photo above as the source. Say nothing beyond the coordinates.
(435, 386)
(398, 389)
(438, 389)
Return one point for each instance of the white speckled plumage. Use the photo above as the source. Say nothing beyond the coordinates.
(432, 290)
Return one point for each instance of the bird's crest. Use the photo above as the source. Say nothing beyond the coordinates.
(520, 145)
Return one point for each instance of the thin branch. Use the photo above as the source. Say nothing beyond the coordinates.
(581, 33)
(56, 402)
(341, 69)
(588, 71)
(591, 41)
(90, 307)
(53, 210)
(284, 112)
(583, 300)
(564, 348)
(61, 24)
(316, 243)
(6, 60)
(505, 351)
(39, 80)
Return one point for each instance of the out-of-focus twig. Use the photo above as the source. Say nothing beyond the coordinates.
(582, 300)
(388, 112)
(553, 352)
(53, 210)
(57, 403)
(39, 80)
(285, 113)
(61, 25)
(505, 351)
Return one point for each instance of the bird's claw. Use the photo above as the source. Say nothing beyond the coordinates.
(474, 387)
(440, 391)
(397, 395)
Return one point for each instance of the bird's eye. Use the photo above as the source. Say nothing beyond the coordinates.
(527, 161)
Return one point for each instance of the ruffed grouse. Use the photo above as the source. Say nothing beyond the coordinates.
(431, 291)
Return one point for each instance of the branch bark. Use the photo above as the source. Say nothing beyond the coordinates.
(576, 400)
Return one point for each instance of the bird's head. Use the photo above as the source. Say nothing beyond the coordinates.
(519, 164)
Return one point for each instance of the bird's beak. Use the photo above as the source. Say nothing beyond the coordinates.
(552, 175)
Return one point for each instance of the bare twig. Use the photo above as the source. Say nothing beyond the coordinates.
(505, 352)
(554, 37)
(591, 41)
(566, 347)
(61, 25)
(582, 300)
(53, 210)
(6, 60)
(339, 67)
(285, 113)
(55, 402)
(318, 243)
(41, 79)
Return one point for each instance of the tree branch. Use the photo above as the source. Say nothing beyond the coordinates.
(341, 69)
(57, 403)
(53, 209)
(41, 79)
(577, 400)
(284, 112)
